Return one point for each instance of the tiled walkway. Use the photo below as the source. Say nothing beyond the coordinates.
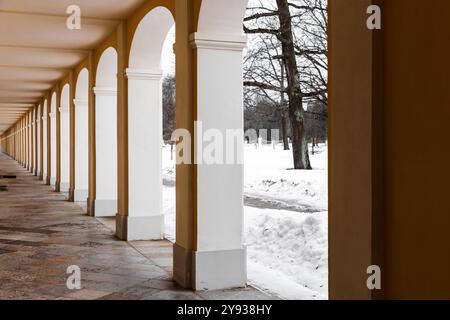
(41, 235)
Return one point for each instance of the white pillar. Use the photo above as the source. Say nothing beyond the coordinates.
(53, 148)
(34, 147)
(65, 148)
(38, 146)
(220, 259)
(145, 220)
(81, 151)
(105, 204)
(28, 145)
(44, 146)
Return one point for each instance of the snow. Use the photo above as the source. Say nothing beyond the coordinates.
(287, 252)
(269, 176)
(285, 221)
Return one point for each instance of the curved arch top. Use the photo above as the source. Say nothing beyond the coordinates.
(82, 85)
(148, 41)
(53, 103)
(65, 97)
(44, 107)
(222, 17)
(107, 69)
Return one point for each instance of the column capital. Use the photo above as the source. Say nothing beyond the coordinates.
(80, 102)
(63, 110)
(143, 74)
(105, 91)
(213, 41)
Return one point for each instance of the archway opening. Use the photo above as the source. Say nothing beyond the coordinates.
(80, 193)
(106, 135)
(37, 169)
(53, 140)
(169, 126)
(65, 139)
(284, 222)
(44, 139)
(153, 36)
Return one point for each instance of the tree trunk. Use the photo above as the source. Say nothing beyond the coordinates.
(283, 108)
(299, 143)
(284, 132)
(296, 112)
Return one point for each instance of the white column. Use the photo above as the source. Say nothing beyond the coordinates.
(105, 204)
(30, 142)
(38, 147)
(220, 258)
(53, 148)
(65, 148)
(81, 151)
(145, 220)
(27, 142)
(33, 143)
(44, 147)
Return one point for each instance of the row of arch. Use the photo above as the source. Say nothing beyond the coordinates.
(113, 159)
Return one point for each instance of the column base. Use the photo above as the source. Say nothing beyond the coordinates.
(103, 208)
(210, 270)
(52, 181)
(71, 195)
(139, 228)
(78, 195)
(182, 266)
(58, 186)
(90, 207)
(64, 187)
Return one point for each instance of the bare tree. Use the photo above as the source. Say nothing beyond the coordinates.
(292, 46)
(168, 106)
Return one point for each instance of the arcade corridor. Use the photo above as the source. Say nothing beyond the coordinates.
(41, 235)
(81, 114)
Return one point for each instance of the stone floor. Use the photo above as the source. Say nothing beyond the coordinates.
(41, 235)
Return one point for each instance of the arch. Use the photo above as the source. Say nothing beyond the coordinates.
(106, 76)
(82, 85)
(145, 220)
(149, 38)
(65, 139)
(105, 203)
(80, 193)
(53, 139)
(222, 17)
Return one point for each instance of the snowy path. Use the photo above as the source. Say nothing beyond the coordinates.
(267, 202)
(277, 204)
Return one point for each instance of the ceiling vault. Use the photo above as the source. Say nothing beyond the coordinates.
(37, 50)
(86, 19)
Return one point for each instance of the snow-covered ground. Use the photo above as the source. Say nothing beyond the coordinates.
(286, 221)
